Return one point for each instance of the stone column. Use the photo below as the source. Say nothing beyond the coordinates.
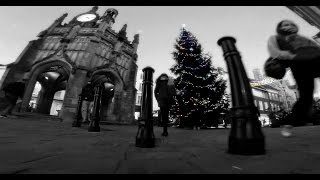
(117, 104)
(246, 136)
(77, 121)
(75, 84)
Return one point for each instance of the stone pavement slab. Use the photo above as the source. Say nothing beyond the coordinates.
(41, 146)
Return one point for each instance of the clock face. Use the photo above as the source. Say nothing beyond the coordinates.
(86, 17)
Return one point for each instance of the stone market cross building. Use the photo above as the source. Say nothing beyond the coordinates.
(67, 56)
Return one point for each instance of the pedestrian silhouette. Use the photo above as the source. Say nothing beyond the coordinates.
(13, 91)
(164, 93)
(302, 56)
(87, 94)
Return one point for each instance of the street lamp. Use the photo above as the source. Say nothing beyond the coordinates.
(94, 123)
(145, 136)
(246, 136)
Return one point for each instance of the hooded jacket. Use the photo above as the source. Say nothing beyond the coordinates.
(164, 92)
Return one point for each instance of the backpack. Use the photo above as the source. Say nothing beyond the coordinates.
(274, 68)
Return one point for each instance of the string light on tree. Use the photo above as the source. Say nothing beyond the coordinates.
(199, 85)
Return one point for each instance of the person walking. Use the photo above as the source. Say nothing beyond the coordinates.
(302, 56)
(13, 91)
(164, 93)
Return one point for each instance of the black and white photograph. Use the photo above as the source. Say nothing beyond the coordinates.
(159, 89)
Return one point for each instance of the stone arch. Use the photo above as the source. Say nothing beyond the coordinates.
(110, 72)
(63, 68)
(112, 110)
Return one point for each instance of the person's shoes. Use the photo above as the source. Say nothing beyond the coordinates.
(164, 134)
(286, 131)
(3, 116)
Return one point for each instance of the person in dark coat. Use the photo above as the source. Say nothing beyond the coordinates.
(88, 96)
(164, 94)
(13, 91)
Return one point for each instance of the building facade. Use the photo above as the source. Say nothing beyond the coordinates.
(139, 82)
(310, 14)
(272, 95)
(266, 99)
(67, 56)
(257, 74)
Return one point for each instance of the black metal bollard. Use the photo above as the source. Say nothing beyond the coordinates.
(94, 123)
(78, 119)
(145, 137)
(246, 137)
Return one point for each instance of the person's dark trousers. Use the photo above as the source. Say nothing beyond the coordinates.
(12, 99)
(165, 118)
(305, 67)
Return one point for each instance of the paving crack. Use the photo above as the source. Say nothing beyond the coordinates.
(194, 166)
(125, 158)
(20, 171)
(40, 158)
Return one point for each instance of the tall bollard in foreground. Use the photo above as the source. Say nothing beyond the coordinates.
(78, 118)
(145, 136)
(94, 123)
(246, 137)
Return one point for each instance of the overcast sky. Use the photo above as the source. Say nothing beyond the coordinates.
(159, 27)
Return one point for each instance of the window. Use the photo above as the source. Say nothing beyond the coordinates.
(140, 87)
(260, 105)
(255, 103)
(58, 94)
(265, 106)
(257, 93)
(138, 100)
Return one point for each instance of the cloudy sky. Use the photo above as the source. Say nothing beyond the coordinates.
(159, 26)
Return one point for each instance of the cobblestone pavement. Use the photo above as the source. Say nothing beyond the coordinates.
(45, 146)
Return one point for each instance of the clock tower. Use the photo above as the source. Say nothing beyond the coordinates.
(67, 56)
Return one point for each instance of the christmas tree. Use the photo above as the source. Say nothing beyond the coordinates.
(201, 93)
